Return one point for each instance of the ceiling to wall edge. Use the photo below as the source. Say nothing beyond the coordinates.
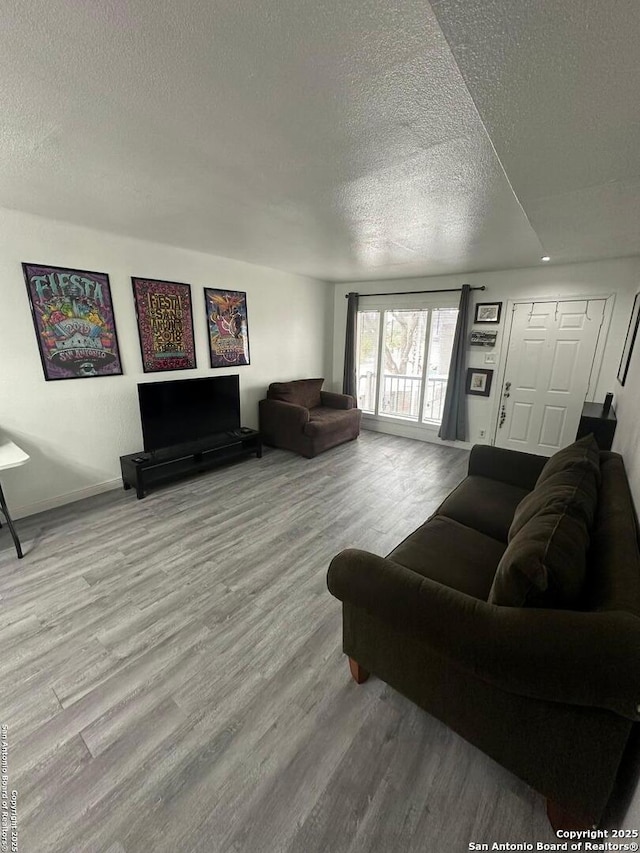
(331, 282)
(493, 147)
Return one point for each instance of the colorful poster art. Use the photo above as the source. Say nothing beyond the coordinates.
(228, 327)
(73, 318)
(165, 324)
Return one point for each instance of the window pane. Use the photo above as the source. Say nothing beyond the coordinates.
(368, 331)
(403, 355)
(443, 327)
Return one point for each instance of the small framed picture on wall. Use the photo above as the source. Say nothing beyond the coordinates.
(479, 381)
(488, 312)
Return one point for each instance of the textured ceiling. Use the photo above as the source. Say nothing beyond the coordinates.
(557, 85)
(335, 139)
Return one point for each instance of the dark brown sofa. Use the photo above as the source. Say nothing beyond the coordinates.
(528, 651)
(300, 416)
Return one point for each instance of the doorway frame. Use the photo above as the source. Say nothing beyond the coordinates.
(598, 356)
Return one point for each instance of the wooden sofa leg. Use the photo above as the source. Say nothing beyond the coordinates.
(559, 818)
(359, 674)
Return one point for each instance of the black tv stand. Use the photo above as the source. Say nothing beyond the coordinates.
(140, 471)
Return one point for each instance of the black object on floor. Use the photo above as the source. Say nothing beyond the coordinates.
(602, 424)
(12, 530)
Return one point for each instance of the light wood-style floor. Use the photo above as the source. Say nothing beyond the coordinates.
(172, 675)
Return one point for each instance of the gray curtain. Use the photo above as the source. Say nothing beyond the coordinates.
(349, 381)
(454, 413)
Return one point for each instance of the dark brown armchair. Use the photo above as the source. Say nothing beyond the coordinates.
(300, 416)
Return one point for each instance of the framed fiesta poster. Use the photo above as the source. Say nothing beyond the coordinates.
(228, 327)
(74, 322)
(165, 324)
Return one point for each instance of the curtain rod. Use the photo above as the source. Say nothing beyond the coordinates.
(410, 292)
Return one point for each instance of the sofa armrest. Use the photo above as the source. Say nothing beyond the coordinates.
(276, 414)
(337, 401)
(508, 466)
(580, 658)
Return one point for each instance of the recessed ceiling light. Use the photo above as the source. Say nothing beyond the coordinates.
(545, 258)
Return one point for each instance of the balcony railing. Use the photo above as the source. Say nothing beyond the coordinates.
(434, 398)
(401, 395)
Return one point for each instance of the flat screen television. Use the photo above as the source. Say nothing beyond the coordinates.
(188, 410)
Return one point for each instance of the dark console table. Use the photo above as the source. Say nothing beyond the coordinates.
(603, 426)
(142, 471)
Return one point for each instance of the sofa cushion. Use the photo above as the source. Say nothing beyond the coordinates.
(544, 564)
(585, 451)
(302, 392)
(574, 490)
(325, 420)
(484, 504)
(451, 554)
(613, 558)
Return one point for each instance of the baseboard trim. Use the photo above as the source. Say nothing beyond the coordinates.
(67, 498)
(412, 431)
(408, 431)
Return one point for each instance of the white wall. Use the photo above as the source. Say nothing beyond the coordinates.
(617, 277)
(627, 438)
(627, 442)
(76, 430)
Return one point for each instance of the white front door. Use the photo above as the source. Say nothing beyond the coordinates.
(549, 361)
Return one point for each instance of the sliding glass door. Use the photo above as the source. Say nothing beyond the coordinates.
(403, 362)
